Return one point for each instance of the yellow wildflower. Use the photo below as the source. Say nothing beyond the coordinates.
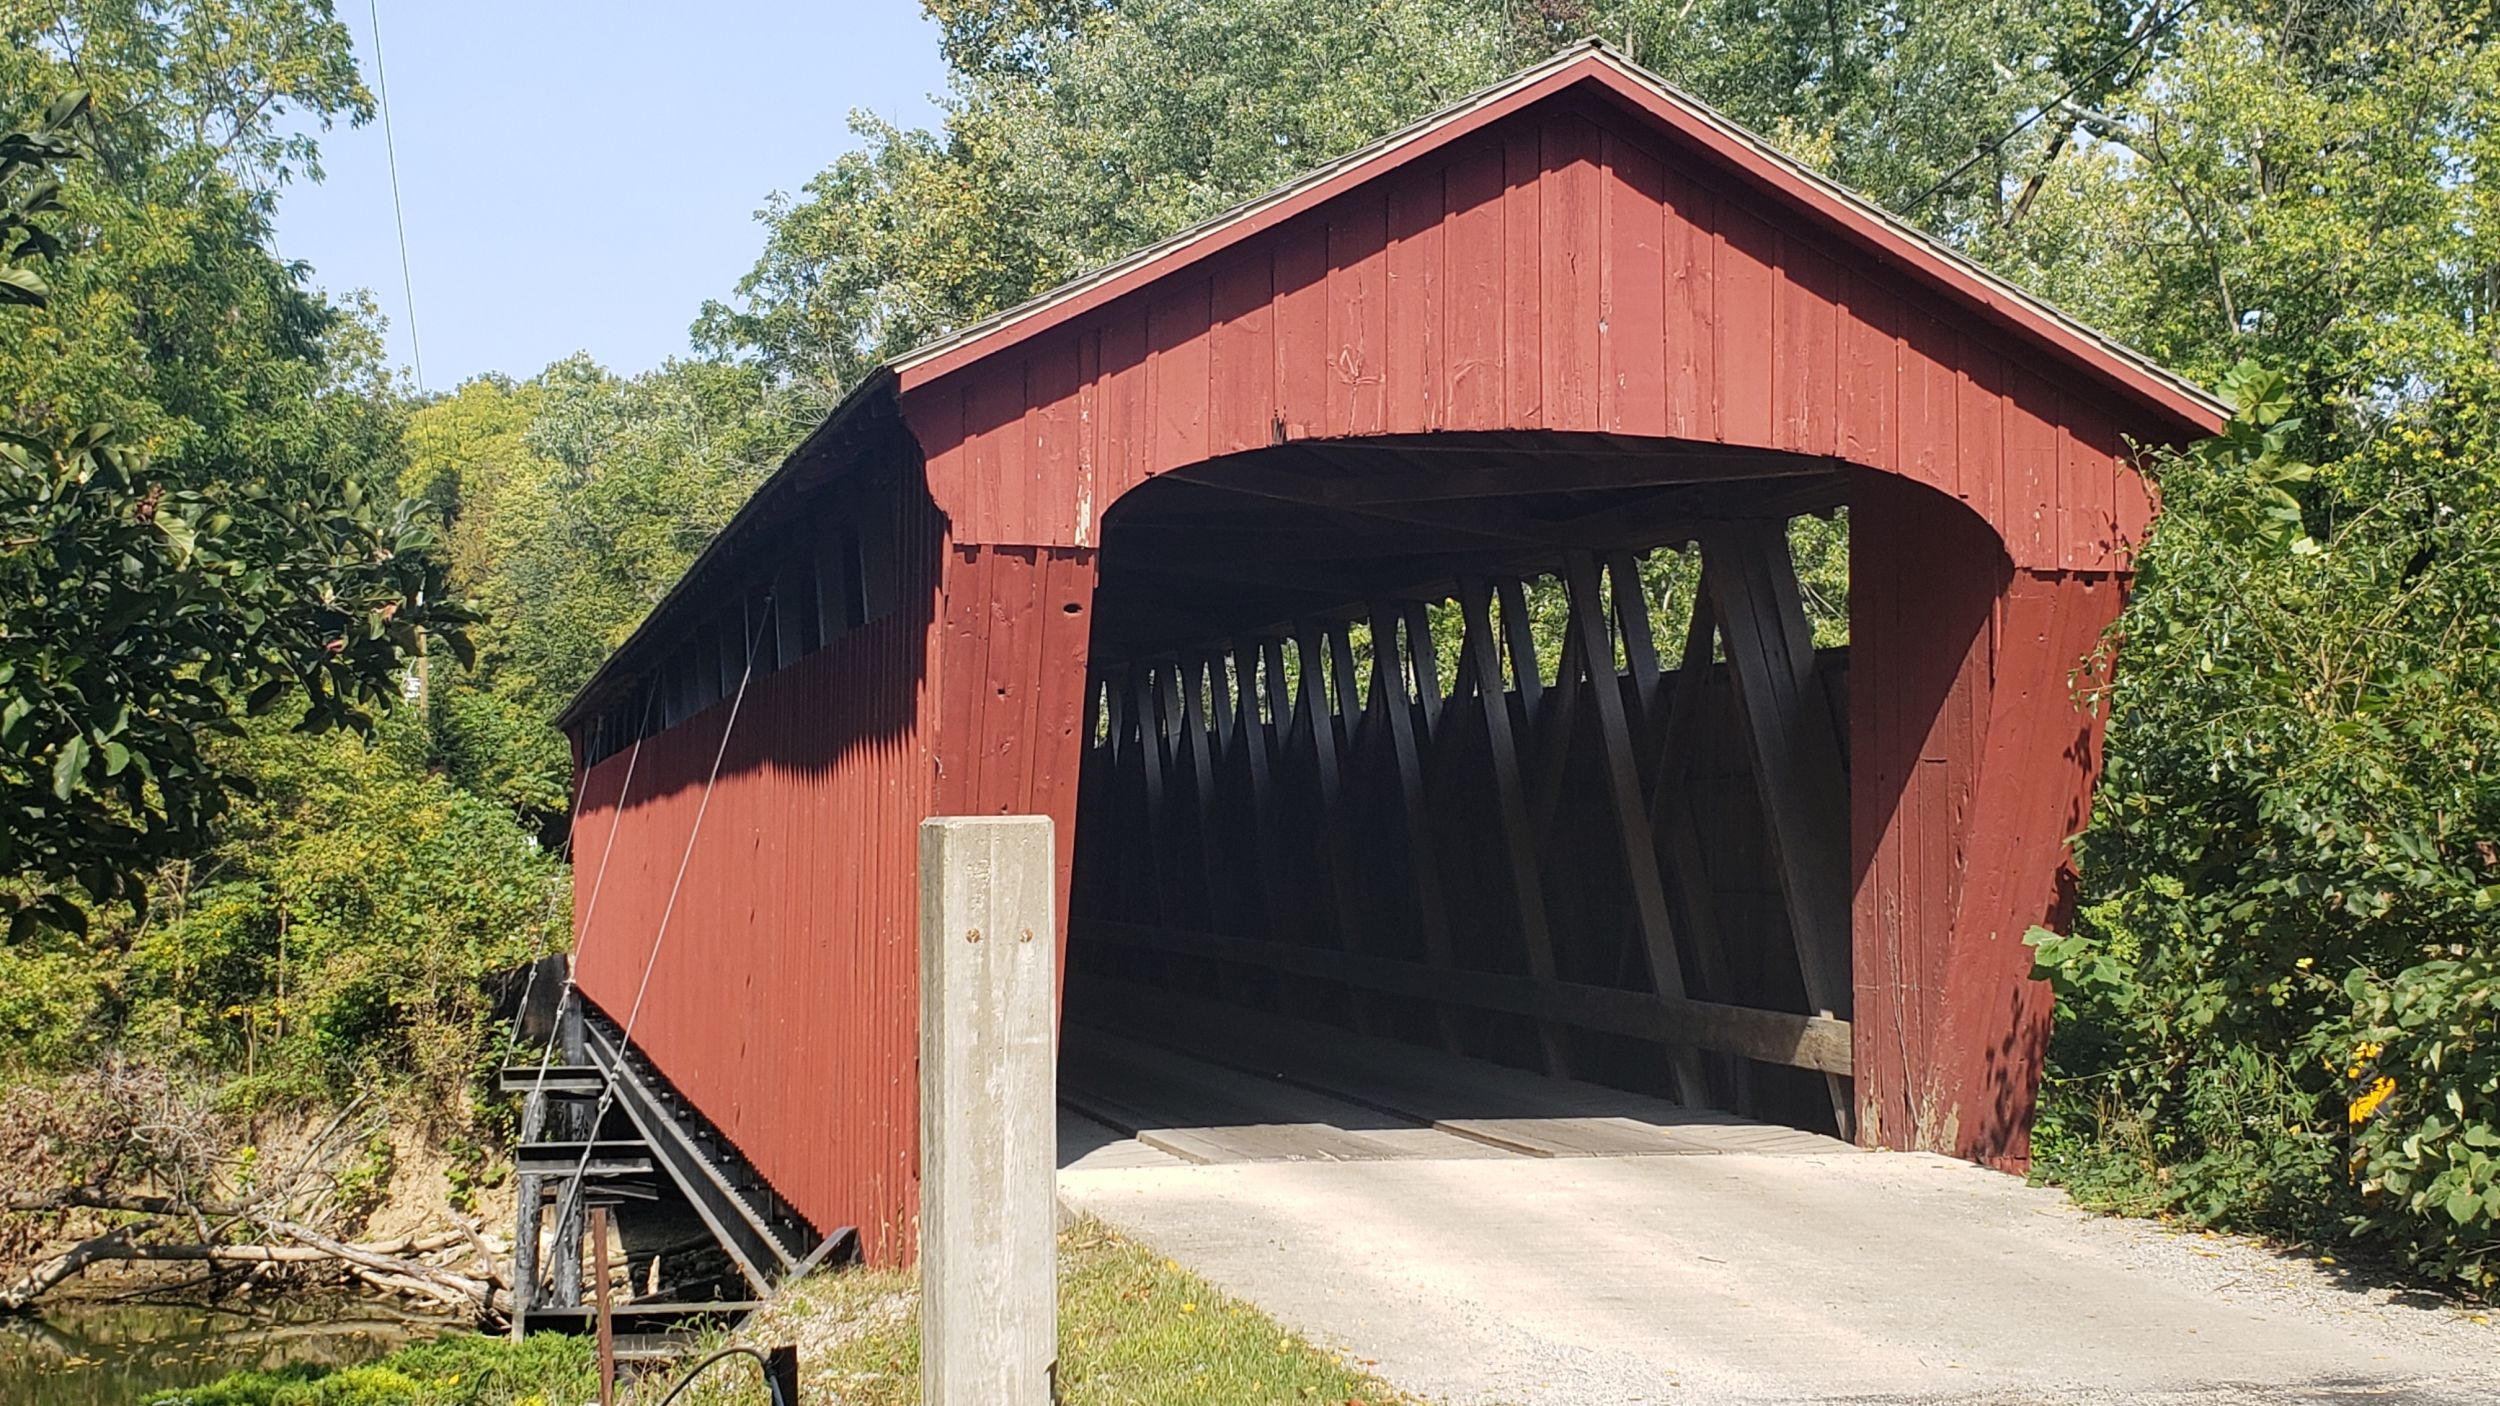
(2371, 1098)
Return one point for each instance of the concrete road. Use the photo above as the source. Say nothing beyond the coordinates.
(1852, 1277)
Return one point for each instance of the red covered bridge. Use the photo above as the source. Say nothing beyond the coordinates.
(1227, 559)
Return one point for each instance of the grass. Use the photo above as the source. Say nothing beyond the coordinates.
(1134, 1330)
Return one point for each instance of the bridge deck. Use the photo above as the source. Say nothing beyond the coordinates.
(1197, 1081)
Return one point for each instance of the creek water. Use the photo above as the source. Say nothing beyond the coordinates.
(100, 1354)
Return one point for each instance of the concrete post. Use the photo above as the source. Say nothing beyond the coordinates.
(989, 1279)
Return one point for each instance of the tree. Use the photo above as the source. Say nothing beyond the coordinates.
(574, 501)
(140, 611)
(1076, 132)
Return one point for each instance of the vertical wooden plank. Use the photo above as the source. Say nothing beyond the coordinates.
(2131, 508)
(1807, 357)
(1415, 260)
(1176, 393)
(1632, 372)
(1527, 884)
(994, 410)
(1122, 436)
(1745, 281)
(1358, 312)
(1473, 249)
(1639, 848)
(1241, 356)
(1930, 414)
(2087, 487)
(1010, 625)
(1523, 301)
(1304, 371)
(1870, 380)
(1876, 533)
(964, 655)
(2029, 520)
(1691, 303)
(1573, 248)
(1087, 486)
(1055, 433)
(1979, 431)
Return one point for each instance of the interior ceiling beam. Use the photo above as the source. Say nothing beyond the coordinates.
(1216, 572)
(1517, 480)
(1310, 490)
(1186, 544)
(1300, 578)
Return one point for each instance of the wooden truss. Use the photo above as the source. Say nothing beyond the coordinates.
(1599, 863)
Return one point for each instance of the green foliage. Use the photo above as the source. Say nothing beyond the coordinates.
(2297, 798)
(1076, 132)
(575, 499)
(334, 936)
(27, 189)
(462, 1370)
(2424, 1098)
(143, 605)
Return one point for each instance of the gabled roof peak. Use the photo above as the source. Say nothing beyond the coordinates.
(1847, 215)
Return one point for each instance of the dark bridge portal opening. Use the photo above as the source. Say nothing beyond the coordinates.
(1513, 747)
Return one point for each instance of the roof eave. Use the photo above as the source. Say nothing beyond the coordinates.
(626, 662)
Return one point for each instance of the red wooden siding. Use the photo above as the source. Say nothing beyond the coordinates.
(782, 999)
(1971, 764)
(1010, 700)
(1562, 270)
(1585, 255)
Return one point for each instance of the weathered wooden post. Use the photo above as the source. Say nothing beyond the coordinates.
(607, 1321)
(989, 1282)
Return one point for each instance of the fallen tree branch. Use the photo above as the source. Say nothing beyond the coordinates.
(367, 1261)
(17, 1297)
(485, 1253)
(475, 1292)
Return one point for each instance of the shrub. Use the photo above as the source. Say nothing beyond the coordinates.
(2299, 797)
(2424, 1108)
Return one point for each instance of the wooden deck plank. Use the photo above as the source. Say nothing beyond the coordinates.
(1213, 1113)
(1531, 1114)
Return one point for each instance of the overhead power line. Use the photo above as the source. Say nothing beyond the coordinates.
(399, 213)
(2160, 25)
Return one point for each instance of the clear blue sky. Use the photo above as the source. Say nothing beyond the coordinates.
(581, 176)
